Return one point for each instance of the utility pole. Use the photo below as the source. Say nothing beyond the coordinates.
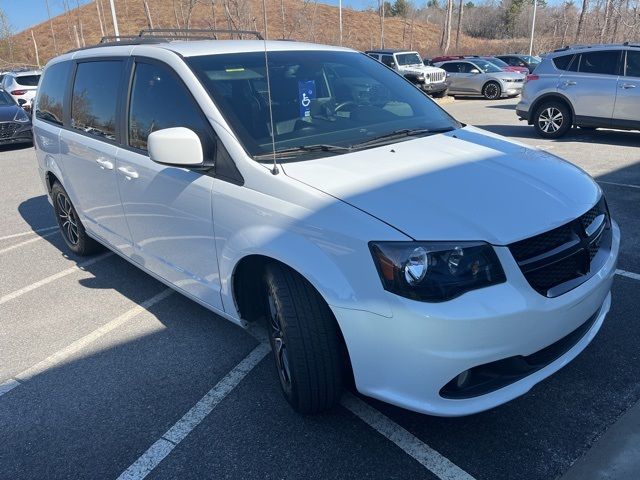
(115, 20)
(533, 26)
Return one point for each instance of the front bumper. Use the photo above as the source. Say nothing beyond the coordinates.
(434, 87)
(511, 89)
(406, 360)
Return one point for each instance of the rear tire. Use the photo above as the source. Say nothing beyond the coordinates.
(492, 91)
(552, 119)
(71, 227)
(305, 341)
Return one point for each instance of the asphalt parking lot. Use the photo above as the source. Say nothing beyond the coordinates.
(105, 372)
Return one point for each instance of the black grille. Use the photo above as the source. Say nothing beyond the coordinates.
(563, 254)
(7, 129)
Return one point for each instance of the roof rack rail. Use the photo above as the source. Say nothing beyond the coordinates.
(156, 35)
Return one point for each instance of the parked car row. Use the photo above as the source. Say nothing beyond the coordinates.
(17, 92)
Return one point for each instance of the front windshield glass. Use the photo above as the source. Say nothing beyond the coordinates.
(486, 66)
(530, 59)
(6, 99)
(318, 97)
(408, 58)
(497, 62)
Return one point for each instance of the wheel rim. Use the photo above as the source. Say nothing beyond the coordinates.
(492, 91)
(550, 120)
(68, 219)
(280, 351)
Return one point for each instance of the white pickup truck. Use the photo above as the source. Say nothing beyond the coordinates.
(432, 80)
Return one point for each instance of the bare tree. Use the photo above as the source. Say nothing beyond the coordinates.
(100, 19)
(446, 29)
(6, 33)
(53, 33)
(382, 8)
(459, 27)
(605, 23)
(583, 14)
(148, 14)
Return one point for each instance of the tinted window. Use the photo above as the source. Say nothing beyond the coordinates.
(465, 67)
(28, 80)
(633, 63)
(604, 62)
(159, 100)
(311, 102)
(6, 99)
(51, 93)
(388, 60)
(563, 62)
(95, 93)
(450, 67)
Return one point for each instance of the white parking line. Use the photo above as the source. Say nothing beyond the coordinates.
(624, 273)
(412, 446)
(62, 355)
(619, 184)
(164, 445)
(27, 242)
(56, 276)
(30, 232)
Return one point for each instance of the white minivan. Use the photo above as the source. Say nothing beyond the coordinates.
(437, 266)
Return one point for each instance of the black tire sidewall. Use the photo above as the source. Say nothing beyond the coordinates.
(85, 245)
(484, 90)
(566, 119)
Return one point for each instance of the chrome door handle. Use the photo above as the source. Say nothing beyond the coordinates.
(104, 164)
(128, 172)
(569, 83)
(627, 85)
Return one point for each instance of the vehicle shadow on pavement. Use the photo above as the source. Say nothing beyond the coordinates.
(14, 146)
(37, 212)
(601, 137)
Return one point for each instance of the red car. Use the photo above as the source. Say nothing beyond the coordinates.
(506, 67)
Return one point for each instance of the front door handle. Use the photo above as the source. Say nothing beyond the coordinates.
(104, 164)
(627, 85)
(569, 83)
(128, 172)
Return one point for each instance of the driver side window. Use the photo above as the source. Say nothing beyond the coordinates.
(160, 100)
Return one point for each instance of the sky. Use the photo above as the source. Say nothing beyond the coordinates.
(25, 13)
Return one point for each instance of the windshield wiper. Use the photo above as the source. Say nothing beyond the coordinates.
(285, 152)
(404, 132)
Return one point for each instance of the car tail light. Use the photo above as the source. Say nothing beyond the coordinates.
(18, 92)
(531, 77)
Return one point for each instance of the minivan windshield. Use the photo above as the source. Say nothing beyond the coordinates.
(28, 80)
(328, 102)
(408, 58)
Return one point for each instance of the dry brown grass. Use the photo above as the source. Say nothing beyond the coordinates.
(304, 20)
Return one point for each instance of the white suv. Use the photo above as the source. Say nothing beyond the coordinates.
(22, 86)
(448, 270)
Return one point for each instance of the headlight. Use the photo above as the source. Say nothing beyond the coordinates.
(21, 116)
(436, 271)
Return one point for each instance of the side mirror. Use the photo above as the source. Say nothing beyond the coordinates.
(175, 146)
(475, 71)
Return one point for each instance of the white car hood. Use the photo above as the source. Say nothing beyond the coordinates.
(463, 185)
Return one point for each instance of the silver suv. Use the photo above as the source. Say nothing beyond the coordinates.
(478, 76)
(589, 86)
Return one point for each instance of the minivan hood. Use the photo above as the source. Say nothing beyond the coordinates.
(463, 185)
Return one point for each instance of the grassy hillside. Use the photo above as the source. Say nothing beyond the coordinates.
(304, 20)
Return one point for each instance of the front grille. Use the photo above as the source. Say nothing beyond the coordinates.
(564, 254)
(7, 129)
(435, 77)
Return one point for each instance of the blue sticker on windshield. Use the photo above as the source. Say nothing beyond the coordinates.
(306, 93)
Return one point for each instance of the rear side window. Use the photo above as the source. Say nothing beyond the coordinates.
(50, 102)
(160, 100)
(388, 60)
(28, 80)
(633, 63)
(563, 62)
(450, 67)
(95, 93)
(604, 62)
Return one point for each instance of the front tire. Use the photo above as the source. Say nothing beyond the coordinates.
(305, 341)
(441, 94)
(492, 91)
(71, 227)
(552, 119)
